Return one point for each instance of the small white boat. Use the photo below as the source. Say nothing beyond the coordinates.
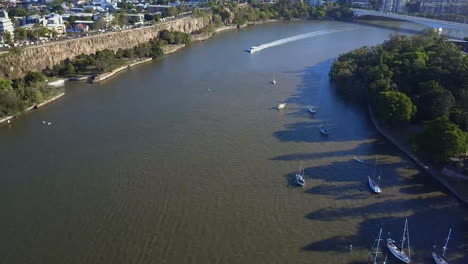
(281, 106)
(273, 82)
(253, 49)
(299, 179)
(49, 123)
(323, 130)
(43, 122)
(440, 259)
(312, 109)
(398, 251)
(358, 160)
(374, 186)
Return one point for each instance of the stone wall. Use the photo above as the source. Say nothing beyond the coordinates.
(38, 58)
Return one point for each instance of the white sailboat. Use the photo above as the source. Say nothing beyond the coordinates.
(441, 259)
(273, 82)
(372, 184)
(398, 251)
(312, 109)
(376, 251)
(323, 130)
(281, 106)
(299, 177)
(358, 160)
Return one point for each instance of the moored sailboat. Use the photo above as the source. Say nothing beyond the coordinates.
(398, 252)
(372, 184)
(281, 106)
(323, 130)
(299, 177)
(440, 259)
(312, 109)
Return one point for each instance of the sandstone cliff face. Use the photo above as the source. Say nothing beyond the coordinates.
(37, 58)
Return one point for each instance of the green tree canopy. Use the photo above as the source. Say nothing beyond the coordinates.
(5, 84)
(395, 106)
(34, 77)
(435, 101)
(441, 139)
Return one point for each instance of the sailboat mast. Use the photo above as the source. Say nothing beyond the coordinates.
(404, 233)
(378, 246)
(300, 168)
(375, 166)
(407, 232)
(446, 243)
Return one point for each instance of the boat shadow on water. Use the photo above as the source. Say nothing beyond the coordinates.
(340, 184)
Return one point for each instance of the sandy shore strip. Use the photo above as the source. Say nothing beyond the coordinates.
(102, 77)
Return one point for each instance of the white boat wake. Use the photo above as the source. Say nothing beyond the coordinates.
(294, 38)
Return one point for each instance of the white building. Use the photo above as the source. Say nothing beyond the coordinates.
(55, 23)
(5, 23)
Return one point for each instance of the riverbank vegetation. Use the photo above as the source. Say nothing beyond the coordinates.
(421, 79)
(18, 94)
(107, 60)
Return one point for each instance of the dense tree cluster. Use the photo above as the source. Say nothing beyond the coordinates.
(175, 37)
(106, 60)
(18, 94)
(287, 9)
(420, 78)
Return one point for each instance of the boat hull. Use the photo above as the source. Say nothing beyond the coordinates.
(358, 160)
(438, 259)
(397, 252)
(299, 180)
(375, 188)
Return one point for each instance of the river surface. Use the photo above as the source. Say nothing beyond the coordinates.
(185, 160)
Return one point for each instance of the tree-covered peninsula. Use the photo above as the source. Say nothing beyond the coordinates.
(421, 79)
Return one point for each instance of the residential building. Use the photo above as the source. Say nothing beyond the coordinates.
(361, 4)
(136, 18)
(5, 23)
(55, 19)
(393, 6)
(80, 28)
(441, 7)
(33, 19)
(157, 8)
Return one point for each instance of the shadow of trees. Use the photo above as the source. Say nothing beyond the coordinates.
(407, 192)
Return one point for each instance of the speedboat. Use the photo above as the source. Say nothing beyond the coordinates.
(374, 186)
(398, 251)
(281, 106)
(253, 49)
(324, 131)
(312, 109)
